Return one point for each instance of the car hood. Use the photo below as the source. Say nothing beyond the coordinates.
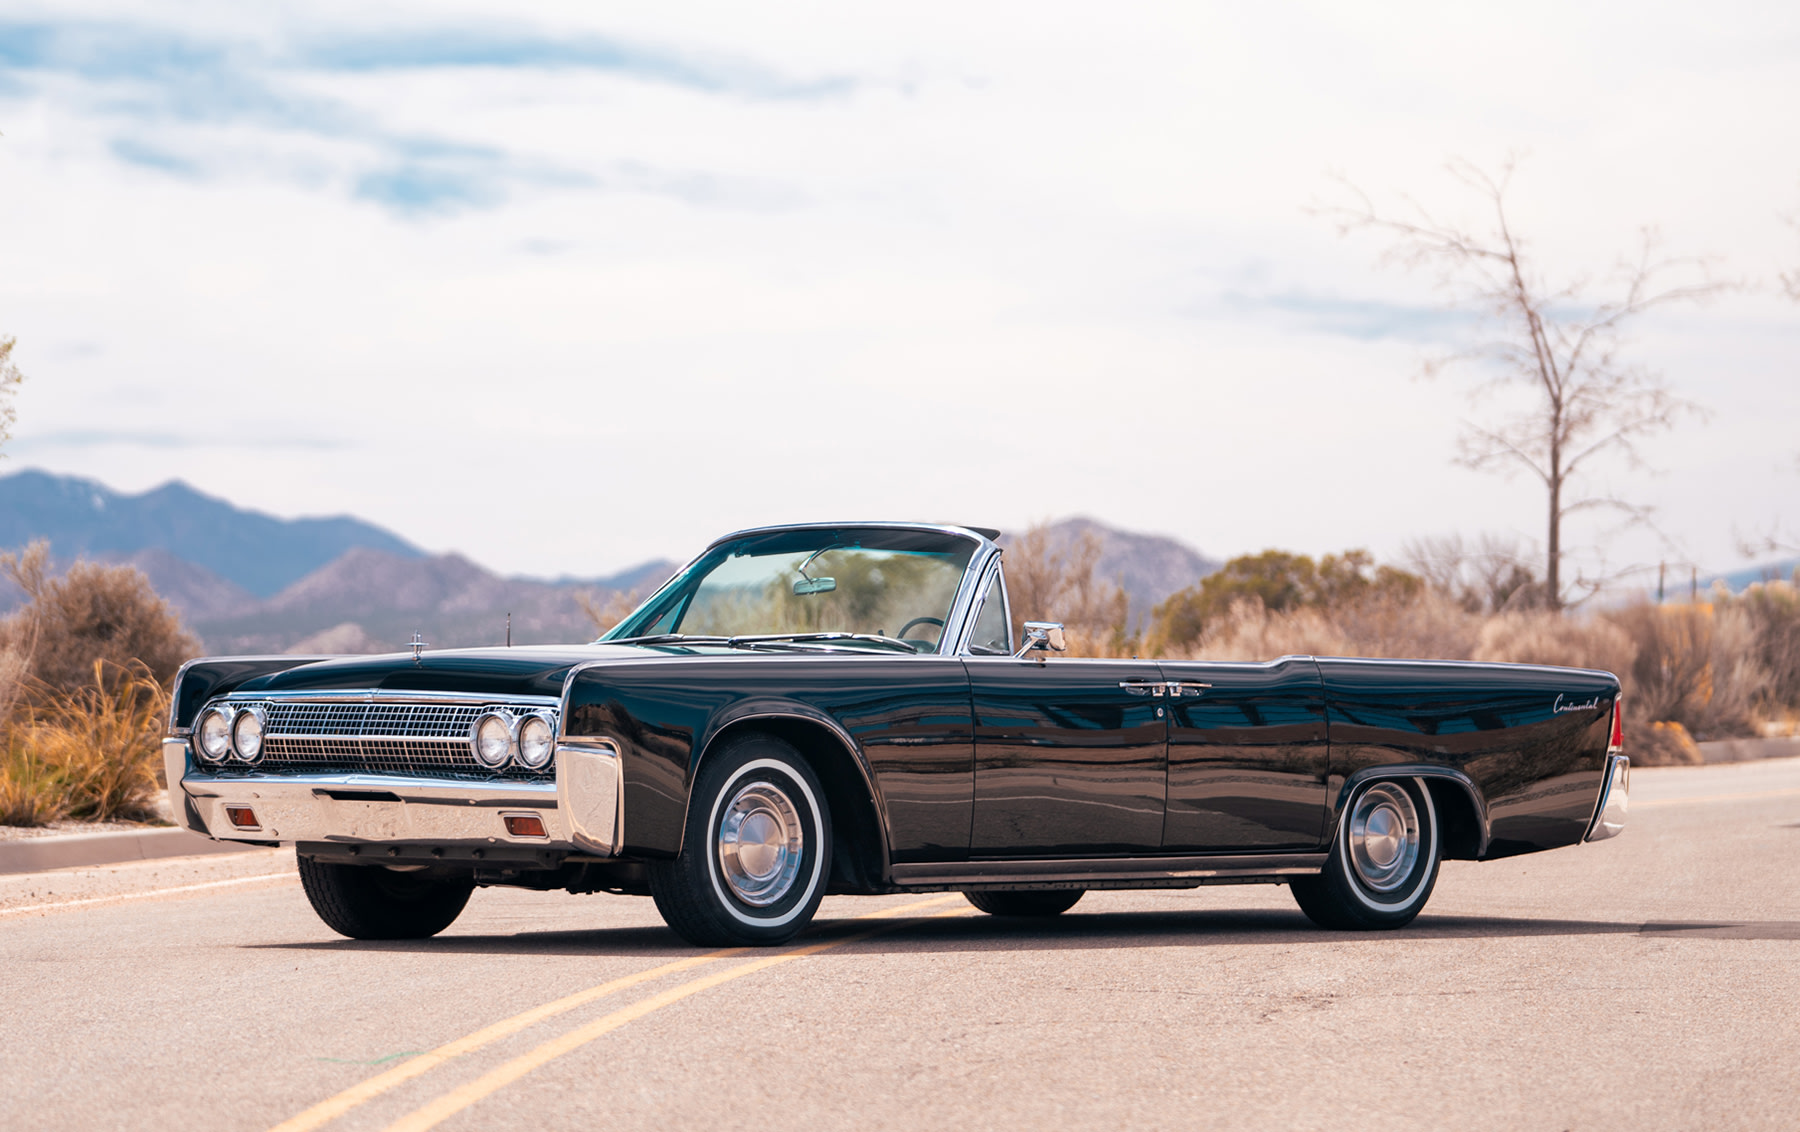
(523, 671)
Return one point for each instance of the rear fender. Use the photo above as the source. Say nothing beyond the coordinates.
(1437, 777)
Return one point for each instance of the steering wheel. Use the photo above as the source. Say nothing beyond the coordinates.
(938, 621)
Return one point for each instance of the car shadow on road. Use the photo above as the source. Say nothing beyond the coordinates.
(1071, 931)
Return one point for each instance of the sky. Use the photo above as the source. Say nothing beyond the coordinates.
(564, 287)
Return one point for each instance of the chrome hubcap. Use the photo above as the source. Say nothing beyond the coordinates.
(1384, 837)
(760, 844)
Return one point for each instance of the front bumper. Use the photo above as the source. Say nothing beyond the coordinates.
(581, 812)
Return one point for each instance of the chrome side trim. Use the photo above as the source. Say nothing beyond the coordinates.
(590, 793)
(390, 696)
(1096, 871)
(1609, 811)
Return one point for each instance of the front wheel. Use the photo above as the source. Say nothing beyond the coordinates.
(372, 902)
(756, 851)
(1383, 863)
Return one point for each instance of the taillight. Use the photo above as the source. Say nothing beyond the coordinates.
(1617, 742)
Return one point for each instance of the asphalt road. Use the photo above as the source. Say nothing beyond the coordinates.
(1652, 981)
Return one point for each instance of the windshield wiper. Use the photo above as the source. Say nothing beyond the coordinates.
(801, 638)
(745, 641)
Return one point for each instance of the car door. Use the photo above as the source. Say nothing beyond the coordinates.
(1247, 755)
(1069, 755)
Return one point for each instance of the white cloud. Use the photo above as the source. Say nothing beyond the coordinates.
(571, 288)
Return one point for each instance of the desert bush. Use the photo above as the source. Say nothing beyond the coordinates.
(93, 613)
(1278, 581)
(607, 609)
(1380, 623)
(91, 753)
(1773, 610)
(1542, 637)
(1050, 582)
(1695, 665)
(1658, 744)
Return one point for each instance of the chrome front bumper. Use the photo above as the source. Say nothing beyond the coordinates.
(1609, 812)
(581, 811)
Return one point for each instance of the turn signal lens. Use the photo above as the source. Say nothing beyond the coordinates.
(493, 740)
(1617, 742)
(242, 816)
(525, 825)
(535, 741)
(246, 735)
(214, 736)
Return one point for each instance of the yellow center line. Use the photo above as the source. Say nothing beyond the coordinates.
(453, 1102)
(333, 1107)
(1635, 804)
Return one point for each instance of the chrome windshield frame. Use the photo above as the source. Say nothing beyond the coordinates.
(968, 590)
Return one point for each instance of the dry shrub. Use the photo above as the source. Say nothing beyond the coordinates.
(1249, 631)
(1773, 609)
(1659, 744)
(607, 611)
(1696, 665)
(1384, 624)
(92, 753)
(1048, 581)
(92, 613)
(1542, 637)
(84, 668)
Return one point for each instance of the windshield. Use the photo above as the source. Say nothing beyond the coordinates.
(879, 583)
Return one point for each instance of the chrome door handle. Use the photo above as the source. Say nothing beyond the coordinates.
(1174, 689)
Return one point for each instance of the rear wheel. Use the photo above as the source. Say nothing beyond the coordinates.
(756, 852)
(371, 902)
(1001, 902)
(1383, 863)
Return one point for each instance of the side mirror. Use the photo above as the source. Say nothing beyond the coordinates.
(1043, 635)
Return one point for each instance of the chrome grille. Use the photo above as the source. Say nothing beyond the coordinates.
(380, 738)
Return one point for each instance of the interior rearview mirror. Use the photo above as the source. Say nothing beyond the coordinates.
(814, 586)
(1044, 636)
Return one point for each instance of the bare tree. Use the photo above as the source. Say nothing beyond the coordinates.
(1554, 340)
(10, 377)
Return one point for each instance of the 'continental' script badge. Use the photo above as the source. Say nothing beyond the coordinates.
(1586, 705)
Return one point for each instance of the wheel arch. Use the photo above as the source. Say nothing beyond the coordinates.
(860, 854)
(1462, 812)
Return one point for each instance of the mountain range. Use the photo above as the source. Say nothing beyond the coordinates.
(246, 582)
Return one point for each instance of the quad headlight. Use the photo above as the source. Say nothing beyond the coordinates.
(536, 741)
(247, 734)
(212, 738)
(491, 737)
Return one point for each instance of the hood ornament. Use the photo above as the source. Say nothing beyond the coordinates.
(417, 644)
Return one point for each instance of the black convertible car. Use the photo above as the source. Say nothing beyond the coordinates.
(844, 708)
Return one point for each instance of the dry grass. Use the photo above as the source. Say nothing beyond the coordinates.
(83, 670)
(93, 754)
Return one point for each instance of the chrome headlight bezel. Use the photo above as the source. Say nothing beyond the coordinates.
(222, 713)
(252, 713)
(524, 743)
(510, 727)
